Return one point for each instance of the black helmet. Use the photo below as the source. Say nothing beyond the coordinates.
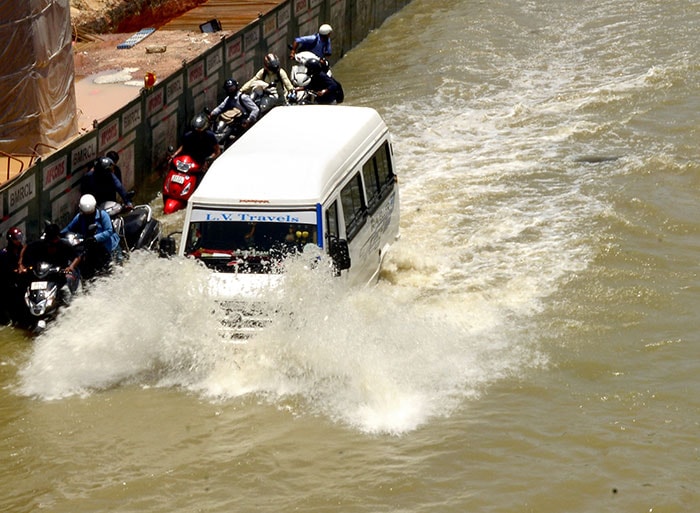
(51, 231)
(200, 122)
(104, 164)
(230, 86)
(14, 234)
(313, 66)
(271, 62)
(113, 155)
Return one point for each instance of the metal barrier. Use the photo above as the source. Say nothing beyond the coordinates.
(12, 158)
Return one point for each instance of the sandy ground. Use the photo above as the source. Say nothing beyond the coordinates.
(106, 77)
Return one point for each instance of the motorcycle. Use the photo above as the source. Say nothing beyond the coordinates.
(183, 176)
(228, 127)
(137, 228)
(298, 74)
(265, 96)
(47, 290)
(300, 79)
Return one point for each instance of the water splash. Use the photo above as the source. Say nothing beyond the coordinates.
(373, 359)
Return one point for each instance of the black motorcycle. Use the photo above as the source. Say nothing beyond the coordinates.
(137, 228)
(47, 289)
(228, 127)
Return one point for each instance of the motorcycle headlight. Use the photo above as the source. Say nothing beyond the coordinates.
(38, 304)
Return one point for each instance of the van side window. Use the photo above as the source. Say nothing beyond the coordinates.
(332, 221)
(379, 177)
(369, 172)
(354, 208)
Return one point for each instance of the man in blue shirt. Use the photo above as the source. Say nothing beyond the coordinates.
(102, 242)
(319, 43)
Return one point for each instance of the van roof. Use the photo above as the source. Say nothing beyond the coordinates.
(294, 155)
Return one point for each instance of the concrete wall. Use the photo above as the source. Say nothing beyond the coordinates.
(142, 130)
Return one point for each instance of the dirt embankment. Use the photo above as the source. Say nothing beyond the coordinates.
(115, 16)
(104, 24)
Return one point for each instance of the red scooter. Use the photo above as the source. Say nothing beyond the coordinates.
(182, 179)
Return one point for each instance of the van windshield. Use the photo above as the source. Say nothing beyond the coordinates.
(248, 241)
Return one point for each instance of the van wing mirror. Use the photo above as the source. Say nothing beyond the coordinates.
(339, 253)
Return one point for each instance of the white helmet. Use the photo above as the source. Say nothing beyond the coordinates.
(88, 203)
(325, 29)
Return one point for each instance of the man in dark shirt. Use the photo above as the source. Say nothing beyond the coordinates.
(326, 89)
(11, 290)
(103, 184)
(57, 252)
(199, 143)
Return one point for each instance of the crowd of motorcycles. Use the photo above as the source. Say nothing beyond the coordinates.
(37, 295)
(184, 173)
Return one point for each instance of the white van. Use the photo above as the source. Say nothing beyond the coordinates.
(313, 174)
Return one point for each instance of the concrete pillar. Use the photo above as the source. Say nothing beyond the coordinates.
(37, 94)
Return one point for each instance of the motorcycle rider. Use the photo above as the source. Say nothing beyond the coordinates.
(11, 290)
(115, 168)
(235, 99)
(318, 43)
(103, 184)
(58, 252)
(271, 73)
(101, 241)
(327, 89)
(199, 143)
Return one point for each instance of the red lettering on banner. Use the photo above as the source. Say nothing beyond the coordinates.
(155, 101)
(109, 134)
(300, 6)
(55, 172)
(234, 49)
